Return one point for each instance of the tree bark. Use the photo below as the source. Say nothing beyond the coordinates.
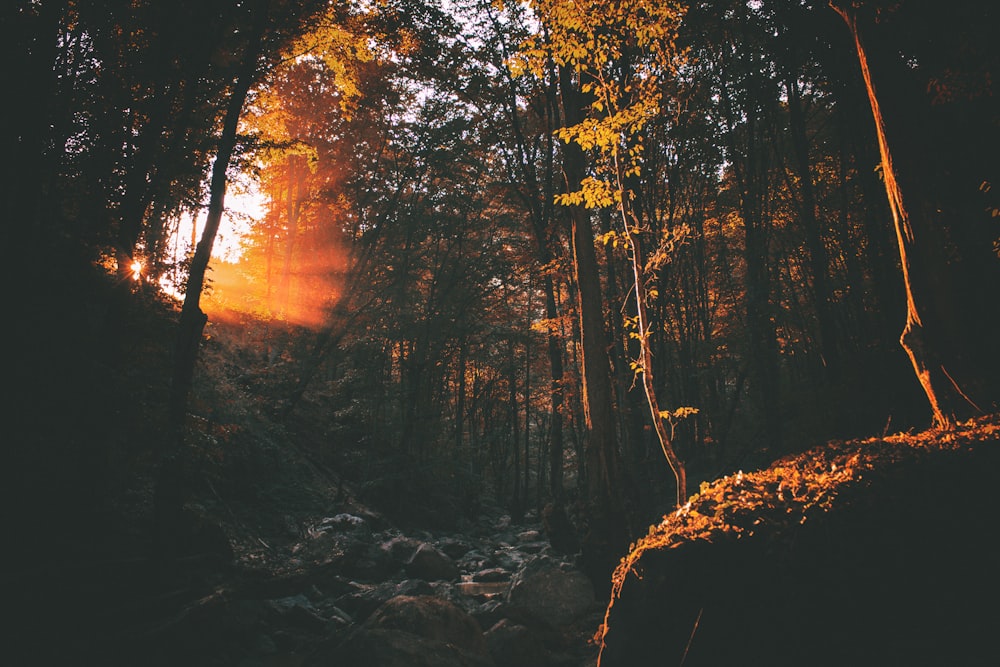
(914, 228)
(631, 225)
(193, 319)
(818, 260)
(608, 533)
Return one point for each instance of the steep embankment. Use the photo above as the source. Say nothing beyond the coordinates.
(870, 552)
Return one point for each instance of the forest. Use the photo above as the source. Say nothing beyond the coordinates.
(299, 284)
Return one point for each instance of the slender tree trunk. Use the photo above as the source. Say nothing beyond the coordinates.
(646, 362)
(556, 446)
(460, 391)
(293, 204)
(193, 319)
(818, 260)
(527, 405)
(914, 232)
(516, 508)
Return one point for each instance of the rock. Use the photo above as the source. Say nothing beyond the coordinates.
(265, 645)
(431, 618)
(507, 557)
(378, 647)
(361, 603)
(298, 611)
(533, 547)
(401, 549)
(490, 613)
(545, 593)
(473, 560)
(492, 574)
(528, 536)
(430, 564)
(513, 645)
(342, 521)
(364, 560)
(454, 548)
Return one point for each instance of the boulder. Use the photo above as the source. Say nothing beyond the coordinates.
(365, 599)
(431, 618)
(454, 548)
(513, 645)
(526, 536)
(507, 557)
(342, 521)
(543, 592)
(492, 574)
(379, 647)
(297, 611)
(401, 548)
(367, 561)
(430, 564)
(474, 560)
(490, 612)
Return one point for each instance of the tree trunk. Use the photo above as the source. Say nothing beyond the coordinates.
(608, 534)
(193, 319)
(646, 354)
(293, 205)
(914, 227)
(554, 348)
(516, 508)
(818, 260)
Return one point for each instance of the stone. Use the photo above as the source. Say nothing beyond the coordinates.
(431, 618)
(513, 645)
(342, 521)
(454, 548)
(362, 603)
(490, 612)
(381, 647)
(474, 560)
(526, 536)
(401, 548)
(298, 611)
(430, 564)
(546, 593)
(364, 560)
(492, 574)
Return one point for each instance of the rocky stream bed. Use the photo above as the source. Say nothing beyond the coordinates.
(352, 590)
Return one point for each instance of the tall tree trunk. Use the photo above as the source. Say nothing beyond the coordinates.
(193, 319)
(608, 534)
(516, 508)
(293, 205)
(818, 261)
(555, 352)
(914, 229)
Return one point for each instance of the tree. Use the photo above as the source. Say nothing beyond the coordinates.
(620, 53)
(193, 319)
(929, 314)
(270, 29)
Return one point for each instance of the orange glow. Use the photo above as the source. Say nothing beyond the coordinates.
(136, 267)
(304, 299)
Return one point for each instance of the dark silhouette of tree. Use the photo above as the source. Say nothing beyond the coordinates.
(933, 334)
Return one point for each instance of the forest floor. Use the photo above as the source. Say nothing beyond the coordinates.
(286, 562)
